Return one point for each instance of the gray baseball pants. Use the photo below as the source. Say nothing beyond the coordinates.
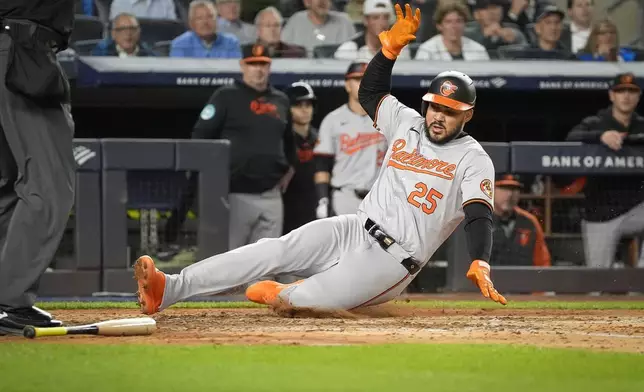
(601, 238)
(344, 266)
(255, 216)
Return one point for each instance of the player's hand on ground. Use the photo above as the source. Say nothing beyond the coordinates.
(322, 211)
(401, 33)
(479, 273)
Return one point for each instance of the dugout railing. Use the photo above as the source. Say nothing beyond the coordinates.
(552, 160)
(117, 176)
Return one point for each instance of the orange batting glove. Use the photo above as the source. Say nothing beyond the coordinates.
(479, 273)
(401, 33)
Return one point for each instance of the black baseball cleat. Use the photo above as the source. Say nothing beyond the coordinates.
(13, 320)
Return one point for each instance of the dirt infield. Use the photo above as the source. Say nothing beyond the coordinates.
(611, 330)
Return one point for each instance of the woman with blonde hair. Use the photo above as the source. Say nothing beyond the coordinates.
(603, 44)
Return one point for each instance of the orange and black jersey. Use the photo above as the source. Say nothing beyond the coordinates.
(258, 126)
(519, 241)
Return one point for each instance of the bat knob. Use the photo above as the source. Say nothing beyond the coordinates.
(29, 332)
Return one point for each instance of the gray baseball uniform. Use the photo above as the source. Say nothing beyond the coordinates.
(417, 201)
(358, 150)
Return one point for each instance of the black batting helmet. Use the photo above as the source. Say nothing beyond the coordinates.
(356, 70)
(300, 91)
(452, 89)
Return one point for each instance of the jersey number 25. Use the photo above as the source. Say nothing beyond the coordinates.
(429, 204)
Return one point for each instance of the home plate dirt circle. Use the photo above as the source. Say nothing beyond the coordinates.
(608, 330)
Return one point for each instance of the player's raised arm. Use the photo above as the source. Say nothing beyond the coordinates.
(376, 82)
(478, 198)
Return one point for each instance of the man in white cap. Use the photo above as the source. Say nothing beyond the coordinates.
(378, 15)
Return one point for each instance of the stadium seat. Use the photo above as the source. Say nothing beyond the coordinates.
(87, 28)
(162, 48)
(324, 51)
(84, 47)
(156, 30)
(639, 52)
(103, 10)
(413, 48)
(525, 52)
(182, 6)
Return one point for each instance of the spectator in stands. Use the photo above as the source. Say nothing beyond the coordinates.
(548, 44)
(489, 30)
(378, 15)
(124, 40)
(228, 21)
(153, 9)
(318, 25)
(518, 236)
(269, 31)
(525, 12)
(300, 198)
(203, 40)
(603, 44)
(575, 34)
(614, 207)
(451, 44)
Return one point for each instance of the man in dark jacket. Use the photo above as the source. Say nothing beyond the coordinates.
(614, 207)
(300, 198)
(125, 39)
(254, 117)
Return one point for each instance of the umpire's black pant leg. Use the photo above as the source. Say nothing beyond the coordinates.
(40, 140)
(8, 176)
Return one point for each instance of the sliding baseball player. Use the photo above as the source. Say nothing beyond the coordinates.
(434, 175)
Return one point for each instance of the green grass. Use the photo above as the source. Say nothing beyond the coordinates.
(52, 367)
(433, 304)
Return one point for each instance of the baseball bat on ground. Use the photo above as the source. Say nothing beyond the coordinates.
(121, 327)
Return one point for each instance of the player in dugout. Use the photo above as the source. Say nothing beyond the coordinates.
(300, 198)
(349, 153)
(518, 236)
(614, 207)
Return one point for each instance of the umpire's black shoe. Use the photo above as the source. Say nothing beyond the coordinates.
(13, 320)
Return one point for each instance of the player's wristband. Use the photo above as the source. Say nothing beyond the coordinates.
(322, 189)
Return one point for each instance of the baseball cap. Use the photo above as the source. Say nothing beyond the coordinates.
(255, 53)
(508, 180)
(300, 91)
(624, 81)
(356, 70)
(374, 7)
(550, 9)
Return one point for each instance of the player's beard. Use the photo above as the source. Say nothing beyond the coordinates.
(451, 133)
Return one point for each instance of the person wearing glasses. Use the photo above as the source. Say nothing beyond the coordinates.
(269, 31)
(124, 40)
